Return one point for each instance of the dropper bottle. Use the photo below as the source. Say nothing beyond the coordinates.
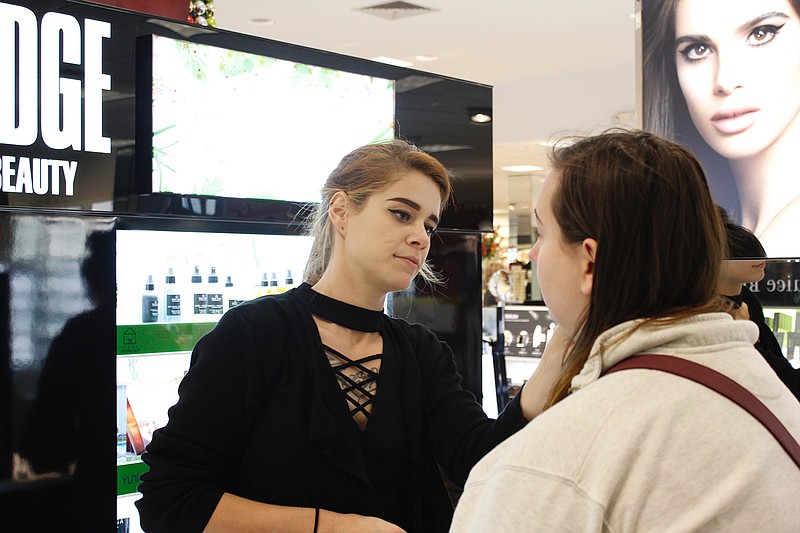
(172, 298)
(199, 301)
(149, 302)
(214, 297)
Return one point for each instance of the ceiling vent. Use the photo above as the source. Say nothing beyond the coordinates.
(395, 10)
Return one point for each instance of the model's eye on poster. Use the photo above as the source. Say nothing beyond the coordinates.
(722, 77)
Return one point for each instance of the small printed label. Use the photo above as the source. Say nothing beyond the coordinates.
(214, 305)
(149, 309)
(173, 305)
(200, 303)
(233, 303)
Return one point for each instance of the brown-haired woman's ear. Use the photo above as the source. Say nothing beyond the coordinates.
(587, 256)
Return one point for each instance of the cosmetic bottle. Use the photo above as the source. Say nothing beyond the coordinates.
(273, 284)
(262, 288)
(199, 298)
(171, 304)
(149, 302)
(289, 280)
(214, 308)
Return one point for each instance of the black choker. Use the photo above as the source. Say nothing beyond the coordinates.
(737, 300)
(341, 313)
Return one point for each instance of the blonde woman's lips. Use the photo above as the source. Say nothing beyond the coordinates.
(734, 121)
(411, 259)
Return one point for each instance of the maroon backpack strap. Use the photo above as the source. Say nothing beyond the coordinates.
(720, 383)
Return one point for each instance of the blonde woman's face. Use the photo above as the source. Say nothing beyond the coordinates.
(738, 64)
(386, 242)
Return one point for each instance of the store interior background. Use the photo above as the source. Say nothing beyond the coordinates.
(557, 68)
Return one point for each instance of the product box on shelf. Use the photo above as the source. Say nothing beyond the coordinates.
(527, 330)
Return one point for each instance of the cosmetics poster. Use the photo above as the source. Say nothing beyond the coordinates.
(722, 77)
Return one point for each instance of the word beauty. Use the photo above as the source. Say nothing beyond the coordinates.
(65, 113)
(37, 176)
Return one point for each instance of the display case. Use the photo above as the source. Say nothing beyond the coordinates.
(172, 288)
(779, 293)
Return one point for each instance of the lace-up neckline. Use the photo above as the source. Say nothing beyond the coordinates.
(358, 382)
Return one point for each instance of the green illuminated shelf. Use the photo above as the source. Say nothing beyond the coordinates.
(139, 339)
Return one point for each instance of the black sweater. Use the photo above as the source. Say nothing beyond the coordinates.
(261, 415)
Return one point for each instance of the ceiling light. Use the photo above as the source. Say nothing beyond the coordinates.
(426, 58)
(480, 115)
(522, 168)
(392, 61)
(396, 10)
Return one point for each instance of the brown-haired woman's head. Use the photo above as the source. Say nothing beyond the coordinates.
(636, 224)
(359, 175)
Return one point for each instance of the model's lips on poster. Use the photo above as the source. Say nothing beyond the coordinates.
(732, 121)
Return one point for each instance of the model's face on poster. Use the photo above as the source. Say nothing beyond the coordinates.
(738, 64)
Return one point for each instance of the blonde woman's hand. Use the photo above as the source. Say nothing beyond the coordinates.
(330, 522)
(537, 389)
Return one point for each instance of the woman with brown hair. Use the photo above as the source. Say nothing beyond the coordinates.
(628, 259)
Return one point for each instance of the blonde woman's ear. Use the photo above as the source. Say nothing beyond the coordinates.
(337, 210)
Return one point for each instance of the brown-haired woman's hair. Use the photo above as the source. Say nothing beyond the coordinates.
(660, 239)
(360, 174)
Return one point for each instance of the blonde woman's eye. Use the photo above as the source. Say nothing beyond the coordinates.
(402, 216)
(430, 230)
(763, 34)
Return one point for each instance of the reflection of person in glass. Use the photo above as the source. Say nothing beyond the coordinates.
(735, 275)
(315, 411)
(70, 428)
(733, 66)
